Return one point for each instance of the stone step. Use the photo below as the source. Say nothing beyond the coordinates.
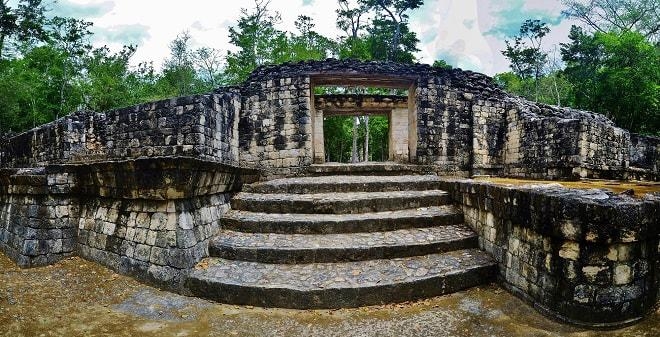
(338, 203)
(369, 168)
(320, 248)
(253, 222)
(356, 183)
(340, 285)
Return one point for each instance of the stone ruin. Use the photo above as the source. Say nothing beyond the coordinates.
(158, 191)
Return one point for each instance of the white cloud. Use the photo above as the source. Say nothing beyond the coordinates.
(454, 30)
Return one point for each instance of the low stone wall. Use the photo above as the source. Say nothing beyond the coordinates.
(584, 256)
(150, 218)
(157, 241)
(37, 217)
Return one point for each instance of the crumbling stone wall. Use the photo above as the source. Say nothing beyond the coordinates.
(139, 189)
(644, 156)
(37, 216)
(202, 126)
(444, 124)
(587, 257)
(276, 123)
(157, 241)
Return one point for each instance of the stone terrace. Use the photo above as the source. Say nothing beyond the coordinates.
(166, 192)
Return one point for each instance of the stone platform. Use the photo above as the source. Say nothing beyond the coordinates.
(340, 241)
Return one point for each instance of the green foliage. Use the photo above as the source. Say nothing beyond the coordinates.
(107, 85)
(642, 16)
(525, 55)
(441, 64)
(258, 42)
(390, 36)
(617, 74)
(380, 32)
(24, 24)
(48, 67)
(338, 134)
(554, 88)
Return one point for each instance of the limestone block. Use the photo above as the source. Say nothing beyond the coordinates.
(622, 274)
(570, 250)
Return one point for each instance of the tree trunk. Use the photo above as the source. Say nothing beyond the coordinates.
(395, 42)
(554, 81)
(366, 138)
(354, 154)
(2, 44)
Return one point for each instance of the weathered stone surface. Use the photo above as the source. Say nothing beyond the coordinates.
(306, 248)
(338, 285)
(352, 183)
(379, 169)
(338, 203)
(142, 189)
(299, 223)
(570, 252)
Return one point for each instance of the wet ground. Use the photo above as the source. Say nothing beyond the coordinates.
(640, 188)
(79, 298)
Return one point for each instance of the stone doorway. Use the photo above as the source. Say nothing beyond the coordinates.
(339, 118)
(398, 106)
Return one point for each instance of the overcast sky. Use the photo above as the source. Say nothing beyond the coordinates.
(466, 33)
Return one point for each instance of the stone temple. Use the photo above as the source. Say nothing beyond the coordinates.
(226, 196)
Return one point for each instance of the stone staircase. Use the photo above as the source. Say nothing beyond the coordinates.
(335, 241)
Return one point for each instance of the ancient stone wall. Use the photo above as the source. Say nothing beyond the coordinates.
(158, 241)
(587, 257)
(202, 126)
(138, 189)
(141, 189)
(37, 216)
(276, 123)
(644, 156)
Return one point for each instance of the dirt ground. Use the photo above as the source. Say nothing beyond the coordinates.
(80, 298)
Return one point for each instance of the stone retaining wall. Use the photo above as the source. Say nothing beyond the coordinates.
(586, 257)
(157, 241)
(644, 156)
(37, 217)
(150, 218)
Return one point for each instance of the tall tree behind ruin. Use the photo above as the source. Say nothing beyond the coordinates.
(642, 16)
(392, 15)
(525, 55)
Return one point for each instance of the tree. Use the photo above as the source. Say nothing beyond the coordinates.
(441, 64)
(71, 36)
(257, 39)
(393, 13)
(308, 44)
(351, 19)
(178, 70)
(8, 24)
(603, 16)
(107, 85)
(617, 74)
(209, 61)
(380, 31)
(24, 24)
(526, 58)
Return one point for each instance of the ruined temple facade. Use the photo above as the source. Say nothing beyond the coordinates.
(144, 189)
